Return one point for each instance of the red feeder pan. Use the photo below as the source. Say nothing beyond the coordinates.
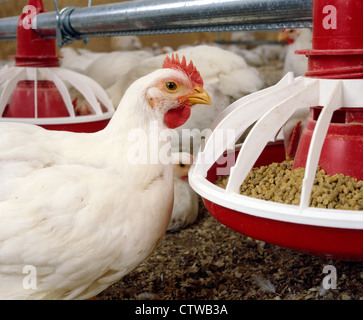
(328, 233)
(35, 92)
(305, 233)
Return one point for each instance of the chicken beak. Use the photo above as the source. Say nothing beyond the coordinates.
(200, 96)
(282, 37)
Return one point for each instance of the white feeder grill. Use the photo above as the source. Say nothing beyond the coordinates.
(273, 107)
(90, 89)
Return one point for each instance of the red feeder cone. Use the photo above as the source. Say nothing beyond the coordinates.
(337, 48)
(337, 53)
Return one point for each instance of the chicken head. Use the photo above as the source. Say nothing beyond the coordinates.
(176, 94)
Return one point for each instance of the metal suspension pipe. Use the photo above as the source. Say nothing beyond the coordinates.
(167, 16)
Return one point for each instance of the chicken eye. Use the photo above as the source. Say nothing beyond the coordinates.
(171, 86)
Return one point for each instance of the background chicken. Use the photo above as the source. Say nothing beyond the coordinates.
(125, 43)
(81, 208)
(102, 67)
(296, 39)
(116, 65)
(185, 208)
(78, 59)
(257, 55)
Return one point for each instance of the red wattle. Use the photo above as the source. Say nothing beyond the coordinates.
(176, 117)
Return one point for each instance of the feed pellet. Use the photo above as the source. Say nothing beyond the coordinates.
(278, 182)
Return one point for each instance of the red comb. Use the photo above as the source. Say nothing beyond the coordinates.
(190, 69)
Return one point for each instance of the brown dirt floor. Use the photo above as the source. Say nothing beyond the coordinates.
(209, 261)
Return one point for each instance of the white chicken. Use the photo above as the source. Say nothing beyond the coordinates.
(296, 39)
(186, 201)
(115, 65)
(226, 76)
(78, 211)
(125, 43)
(249, 55)
(257, 56)
(78, 59)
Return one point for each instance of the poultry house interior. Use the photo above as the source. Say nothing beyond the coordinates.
(200, 256)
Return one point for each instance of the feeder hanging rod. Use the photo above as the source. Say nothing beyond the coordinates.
(142, 17)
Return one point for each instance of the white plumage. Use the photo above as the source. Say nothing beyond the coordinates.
(78, 59)
(115, 65)
(79, 207)
(125, 43)
(251, 57)
(186, 201)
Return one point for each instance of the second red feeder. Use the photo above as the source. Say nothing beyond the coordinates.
(36, 89)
